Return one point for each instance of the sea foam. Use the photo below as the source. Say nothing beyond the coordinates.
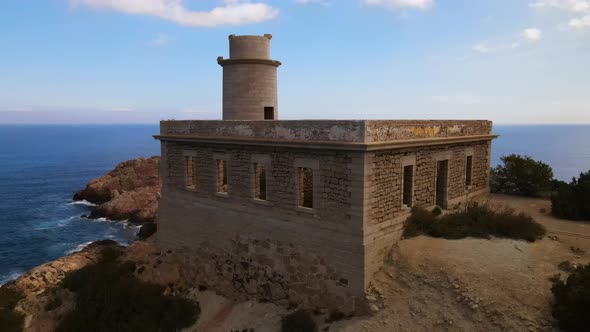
(82, 202)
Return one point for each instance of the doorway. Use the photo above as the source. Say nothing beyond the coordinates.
(442, 179)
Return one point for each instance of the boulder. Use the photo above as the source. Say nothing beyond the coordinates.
(139, 206)
(130, 191)
(127, 176)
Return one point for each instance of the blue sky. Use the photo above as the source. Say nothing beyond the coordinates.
(139, 61)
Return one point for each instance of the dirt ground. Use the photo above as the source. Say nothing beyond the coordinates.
(473, 284)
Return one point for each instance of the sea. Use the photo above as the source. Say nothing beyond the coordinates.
(42, 166)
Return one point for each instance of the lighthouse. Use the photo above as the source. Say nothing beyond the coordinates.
(249, 79)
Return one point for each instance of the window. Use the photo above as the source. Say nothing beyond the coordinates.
(260, 182)
(305, 187)
(269, 113)
(221, 176)
(468, 172)
(408, 185)
(189, 174)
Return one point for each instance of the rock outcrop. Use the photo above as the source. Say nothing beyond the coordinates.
(49, 275)
(130, 191)
(43, 304)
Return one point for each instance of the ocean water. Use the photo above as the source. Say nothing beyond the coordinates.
(566, 148)
(41, 167)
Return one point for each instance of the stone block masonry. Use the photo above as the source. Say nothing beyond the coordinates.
(334, 202)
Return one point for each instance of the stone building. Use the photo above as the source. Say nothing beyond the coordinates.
(305, 211)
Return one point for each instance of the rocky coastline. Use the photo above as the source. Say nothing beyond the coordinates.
(128, 192)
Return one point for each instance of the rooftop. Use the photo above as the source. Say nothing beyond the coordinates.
(341, 134)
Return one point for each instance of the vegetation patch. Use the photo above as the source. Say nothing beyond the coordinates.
(572, 300)
(572, 200)
(10, 320)
(299, 321)
(521, 175)
(110, 298)
(474, 220)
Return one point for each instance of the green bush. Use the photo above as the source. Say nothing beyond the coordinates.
(147, 230)
(110, 298)
(572, 201)
(521, 175)
(298, 321)
(475, 220)
(572, 300)
(9, 319)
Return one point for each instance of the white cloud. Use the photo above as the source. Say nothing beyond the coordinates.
(161, 40)
(312, 2)
(121, 109)
(577, 6)
(532, 34)
(483, 48)
(232, 12)
(407, 4)
(580, 23)
(580, 7)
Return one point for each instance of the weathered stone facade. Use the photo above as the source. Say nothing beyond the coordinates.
(357, 209)
(302, 212)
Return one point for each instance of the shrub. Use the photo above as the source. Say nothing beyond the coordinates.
(437, 210)
(572, 201)
(110, 298)
(298, 321)
(475, 220)
(572, 300)
(147, 230)
(9, 319)
(521, 175)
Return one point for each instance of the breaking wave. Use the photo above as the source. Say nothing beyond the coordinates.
(82, 202)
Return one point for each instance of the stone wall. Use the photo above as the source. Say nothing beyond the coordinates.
(221, 227)
(395, 130)
(342, 131)
(357, 213)
(384, 213)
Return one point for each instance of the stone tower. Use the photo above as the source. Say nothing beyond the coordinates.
(249, 79)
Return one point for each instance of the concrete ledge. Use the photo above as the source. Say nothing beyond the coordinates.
(229, 62)
(328, 145)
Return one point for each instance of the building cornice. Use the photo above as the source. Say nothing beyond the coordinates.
(328, 145)
(229, 62)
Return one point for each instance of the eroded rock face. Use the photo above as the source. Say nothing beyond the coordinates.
(49, 275)
(130, 191)
(39, 286)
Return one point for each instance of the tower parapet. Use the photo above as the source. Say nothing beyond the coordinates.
(249, 79)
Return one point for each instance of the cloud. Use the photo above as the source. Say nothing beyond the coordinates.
(580, 23)
(312, 2)
(532, 34)
(232, 12)
(161, 40)
(483, 48)
(121, 109)
(403, 4)
(574, 6)
(577, 6)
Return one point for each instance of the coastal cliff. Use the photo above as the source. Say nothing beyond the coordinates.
(130, 191)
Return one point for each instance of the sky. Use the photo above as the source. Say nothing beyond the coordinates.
(141, 61)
